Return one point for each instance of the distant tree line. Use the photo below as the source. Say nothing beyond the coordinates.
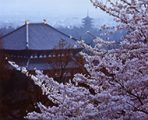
(88, 32)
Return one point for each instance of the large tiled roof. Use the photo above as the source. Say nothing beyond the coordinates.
(35, 36)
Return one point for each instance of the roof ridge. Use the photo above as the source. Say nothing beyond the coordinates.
(17, 29)
(41, 24)
(61, 32)
(12, 31)
(43, 30)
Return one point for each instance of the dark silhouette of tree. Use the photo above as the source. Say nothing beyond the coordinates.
(18, 93)
(4, 72)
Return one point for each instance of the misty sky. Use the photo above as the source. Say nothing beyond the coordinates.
(52, 10)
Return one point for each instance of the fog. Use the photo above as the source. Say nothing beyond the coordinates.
(59, 12)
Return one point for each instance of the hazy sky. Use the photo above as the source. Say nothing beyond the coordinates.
(52, 10)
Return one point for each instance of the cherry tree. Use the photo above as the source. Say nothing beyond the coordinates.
(131, 14)
(117, 84)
